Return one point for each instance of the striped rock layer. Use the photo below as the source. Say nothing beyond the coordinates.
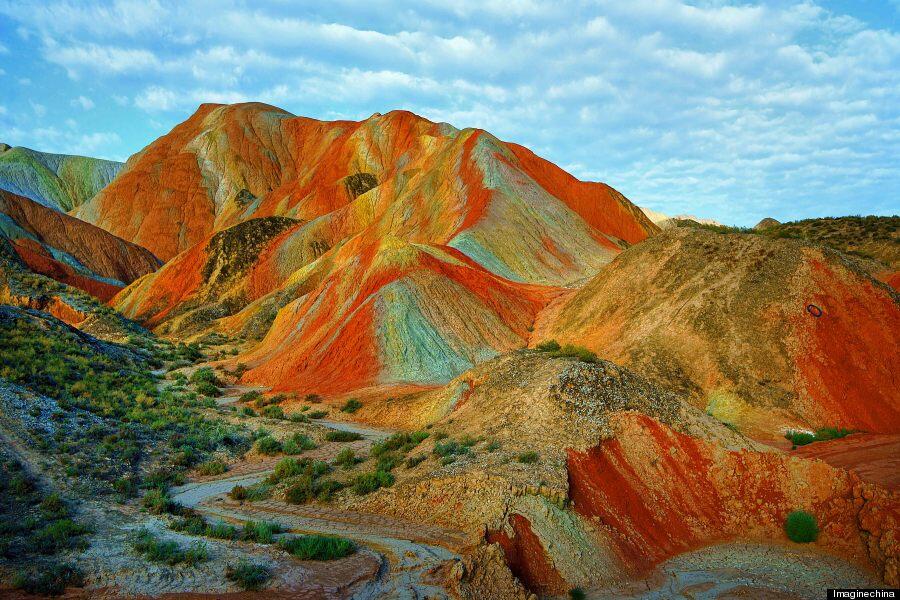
(390, 251)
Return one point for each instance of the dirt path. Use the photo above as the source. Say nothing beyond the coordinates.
(412, 550)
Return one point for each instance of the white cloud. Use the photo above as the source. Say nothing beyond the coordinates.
(2, 110)
(84, 102)
(39, 109)
(742, 108)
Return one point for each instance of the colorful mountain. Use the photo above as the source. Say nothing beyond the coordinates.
(762, 333)
(424, 248)
(58, 181)
(396, 174)
(69, 250)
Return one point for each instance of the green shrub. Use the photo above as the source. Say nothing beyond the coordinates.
(57, 536)
(342, 436)
(800, 526)
(548, 346)
(238, 493)
(246, 411)
(261, 532)
(298, 417)
(351, 406)
(801, 438)
(297, 444)
(414, 461)
(366, 483)
(387, 462)
(318, 547)
(248, 397)
(258, 491)
(286, 467)
(346, 458)
(52, 580)
(493, 446)
(273, 412)
(53, 507)
(208, 389)
(577, 594)
(318, 414)
(158, 502)
(528, 458)
(268, 445)
(248, 575)
(450, 448)
(148, 545)
(211, 467)
(205, 375)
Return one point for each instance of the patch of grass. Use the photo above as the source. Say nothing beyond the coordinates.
(800, 526)
(251, 396)
(351, 406)
(801, 438)
(268, 445)
(318, 414)
(238, 493)
(248, 575)
(297, 444)
(298, 417)
(154, 549)
(59, 535)
(342, 436)
(273, 412)
(347, 459)
(414, 461)
(157, 502)
(205, 375)
(528, 458)
(207, 389)
(51, 580)
(450, 448)
(261, 532)
(211, 467)
(366, 483)
(553, 348)
(493, 446)
(318, 547)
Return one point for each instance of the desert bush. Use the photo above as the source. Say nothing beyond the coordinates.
(347, 458)
(351, 406)
(342, 436)
(318, 547)
(207, 389)
(528, 458)
(318, 414)
(800, 526)
(247, 575)
(51, 580)
(268, 445)
(261, 532)
(414, 461)
(548, 346)
(273, 412)
(238, 493)
(366, 483)
(158, 502)
(211, 467)
(297, 444)
(249, 397)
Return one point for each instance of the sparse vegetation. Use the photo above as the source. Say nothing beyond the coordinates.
(297, 444)
(342, 436)
(318, 414)
(800, 526)
(211, 467)
(366, 483)
(154, 549)
(552, 348)
(268, 445)
(801, 438)
(351, 406)
(249, 576)
(347, 459)
(318, 547)
(528, 458)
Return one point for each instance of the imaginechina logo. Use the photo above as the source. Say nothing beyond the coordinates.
(854, 594)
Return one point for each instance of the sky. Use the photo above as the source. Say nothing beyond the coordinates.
(727, 110)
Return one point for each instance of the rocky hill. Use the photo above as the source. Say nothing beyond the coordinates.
(763, 333)
(58, 181)
(514, 213)
(71, 251)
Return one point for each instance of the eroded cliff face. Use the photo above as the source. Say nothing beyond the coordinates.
(766, 334)
(658, 492)
(73, 252)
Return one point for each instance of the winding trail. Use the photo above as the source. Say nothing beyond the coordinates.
(411, 550)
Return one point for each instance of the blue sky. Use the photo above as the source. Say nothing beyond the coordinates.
(728, 110)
